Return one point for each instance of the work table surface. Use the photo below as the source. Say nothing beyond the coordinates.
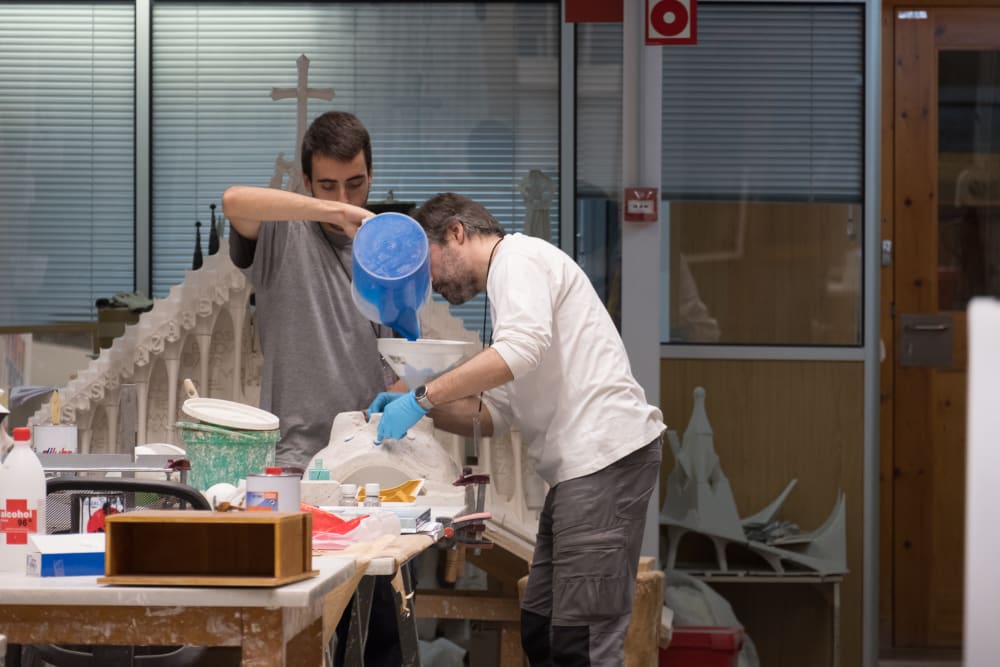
(334, 568)
(24, 589)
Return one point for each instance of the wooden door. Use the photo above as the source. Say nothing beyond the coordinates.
(946, 212)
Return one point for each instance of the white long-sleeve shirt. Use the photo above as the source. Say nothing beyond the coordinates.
(573, 396)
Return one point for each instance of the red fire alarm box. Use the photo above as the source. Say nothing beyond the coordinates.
(671, 22)
(642, 204)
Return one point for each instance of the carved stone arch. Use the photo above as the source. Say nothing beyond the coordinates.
(533, 486)
(190, 367)
(158, 422)
(100, 430)
(220, 354)
(251, 360)
(502, 464)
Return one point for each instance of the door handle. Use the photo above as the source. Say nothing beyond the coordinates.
(927, 327)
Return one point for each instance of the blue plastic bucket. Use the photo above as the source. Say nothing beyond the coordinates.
(392, 272)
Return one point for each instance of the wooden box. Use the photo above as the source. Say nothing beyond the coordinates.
(204, 548)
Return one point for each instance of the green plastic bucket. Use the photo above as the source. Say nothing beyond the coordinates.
(218, 454)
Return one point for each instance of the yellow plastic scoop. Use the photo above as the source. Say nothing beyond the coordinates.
(406, 492)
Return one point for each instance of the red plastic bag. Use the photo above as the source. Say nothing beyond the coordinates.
(326, 523)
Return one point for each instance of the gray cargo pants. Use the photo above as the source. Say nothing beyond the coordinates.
(578, 601)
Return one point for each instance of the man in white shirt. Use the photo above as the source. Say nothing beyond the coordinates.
(557, 370)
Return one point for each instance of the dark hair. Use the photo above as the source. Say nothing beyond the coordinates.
(338, 135)
(440, 210)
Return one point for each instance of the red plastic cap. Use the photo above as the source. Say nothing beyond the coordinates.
(22, 433)
(272, 470)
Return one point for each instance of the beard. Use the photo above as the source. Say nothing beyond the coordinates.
(455, 292)
(456, 284)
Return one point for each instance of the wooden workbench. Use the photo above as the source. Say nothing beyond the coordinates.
(273, 626)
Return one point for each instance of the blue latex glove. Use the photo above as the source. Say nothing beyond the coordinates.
(383, 399)
(399, 416)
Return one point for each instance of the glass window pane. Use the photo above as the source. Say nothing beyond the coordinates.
(969, 177)
(762, 176)
(66, 159)
(765, 273)
(599, 158)
(457, 96)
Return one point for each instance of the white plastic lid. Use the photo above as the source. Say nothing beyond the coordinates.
(230, 414)
(349, 489)
(372, 489)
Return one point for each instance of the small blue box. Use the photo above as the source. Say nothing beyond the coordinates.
(69, 555)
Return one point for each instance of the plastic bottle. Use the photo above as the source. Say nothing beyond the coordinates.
(349, 495)
(318, 471)
(22, 502)
(372, 494)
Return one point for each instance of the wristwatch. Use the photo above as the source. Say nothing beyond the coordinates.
(420, 393)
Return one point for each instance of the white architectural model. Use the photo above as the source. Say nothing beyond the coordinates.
(700, 500)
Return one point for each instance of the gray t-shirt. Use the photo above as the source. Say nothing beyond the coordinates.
(319, 352)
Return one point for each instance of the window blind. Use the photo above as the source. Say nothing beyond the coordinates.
(599, 157)
(457, 96)
(768, 105)
(598, 110)
(66, 158)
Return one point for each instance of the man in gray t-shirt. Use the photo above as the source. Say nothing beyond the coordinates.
(319, 352)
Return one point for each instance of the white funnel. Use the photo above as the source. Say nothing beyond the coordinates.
(417, 361)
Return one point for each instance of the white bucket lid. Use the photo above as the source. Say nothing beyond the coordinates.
(230, 414)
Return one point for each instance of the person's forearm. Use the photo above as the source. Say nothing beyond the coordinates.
(247, 206)
(484, 371)
(458, 416)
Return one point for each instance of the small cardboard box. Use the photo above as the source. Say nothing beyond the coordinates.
(70, 555)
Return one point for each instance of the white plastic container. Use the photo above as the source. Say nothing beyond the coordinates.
(373, 495)
(22, 502)
(349, 495)
(274, 491)
(55, 438)
(417, 361)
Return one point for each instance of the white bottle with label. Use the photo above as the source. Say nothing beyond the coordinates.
(373, 494)
(22, 502)
(349, 495)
